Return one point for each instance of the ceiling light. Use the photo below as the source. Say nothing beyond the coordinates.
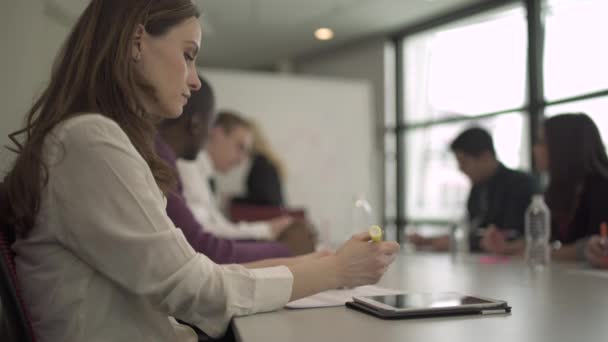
(324, 33)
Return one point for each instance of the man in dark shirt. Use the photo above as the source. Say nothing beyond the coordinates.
(498, 198)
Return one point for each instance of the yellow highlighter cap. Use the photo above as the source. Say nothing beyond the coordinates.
(375, 232)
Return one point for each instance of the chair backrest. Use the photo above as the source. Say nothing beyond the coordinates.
(14, 322)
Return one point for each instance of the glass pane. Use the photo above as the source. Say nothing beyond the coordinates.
(390, 175)
(435, 188)
(390, 143)
(390, 232)
(596, 108)
(390, 112)
(476, 66)
(576, 52)
(390, 188)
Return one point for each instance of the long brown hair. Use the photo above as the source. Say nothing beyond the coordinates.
(576, 152)
(92, 73)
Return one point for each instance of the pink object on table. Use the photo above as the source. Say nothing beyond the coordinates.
(494, 259)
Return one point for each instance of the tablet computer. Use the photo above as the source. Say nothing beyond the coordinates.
(428, 305)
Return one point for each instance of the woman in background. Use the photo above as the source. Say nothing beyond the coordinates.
(570, 150)
(266, 175)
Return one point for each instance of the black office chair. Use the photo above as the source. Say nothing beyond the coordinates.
(14, 323)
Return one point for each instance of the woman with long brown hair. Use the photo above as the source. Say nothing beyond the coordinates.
(97, 257)
(571, 152)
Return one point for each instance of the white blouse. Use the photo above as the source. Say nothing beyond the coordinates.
(202, 204)
(105, 263)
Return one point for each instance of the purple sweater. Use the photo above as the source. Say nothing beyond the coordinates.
(221, 251)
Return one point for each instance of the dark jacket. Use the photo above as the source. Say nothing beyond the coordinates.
(502, 200)
(591, 212)
(263, 184)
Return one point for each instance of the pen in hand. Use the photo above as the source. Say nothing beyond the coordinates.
(375, 233)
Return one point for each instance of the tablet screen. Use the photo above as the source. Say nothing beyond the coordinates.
(428, 300)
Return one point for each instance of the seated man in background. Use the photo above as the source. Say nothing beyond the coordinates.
(499, 196)
(230, 140)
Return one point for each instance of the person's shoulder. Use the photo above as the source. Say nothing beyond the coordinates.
(86, 134)
(597, 183)
(164, 151)
(520, 178)
(520, 175)
(261, 165)
(88, 128)
(261, 160)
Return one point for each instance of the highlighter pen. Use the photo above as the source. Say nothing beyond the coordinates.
(375, 232)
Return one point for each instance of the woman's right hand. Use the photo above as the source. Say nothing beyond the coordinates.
(361, 262)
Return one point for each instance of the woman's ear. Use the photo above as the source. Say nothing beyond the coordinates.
(137, 39)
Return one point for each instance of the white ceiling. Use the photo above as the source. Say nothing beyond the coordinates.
(250, 33)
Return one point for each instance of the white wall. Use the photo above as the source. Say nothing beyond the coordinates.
(372, 61)
(30, 41)
(320, 127)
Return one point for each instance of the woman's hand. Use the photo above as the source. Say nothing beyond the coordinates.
(361, 262)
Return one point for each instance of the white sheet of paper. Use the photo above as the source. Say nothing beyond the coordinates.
(339, 297)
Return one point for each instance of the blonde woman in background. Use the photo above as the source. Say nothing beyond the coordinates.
(267, 172)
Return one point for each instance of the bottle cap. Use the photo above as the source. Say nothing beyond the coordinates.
(375, 232)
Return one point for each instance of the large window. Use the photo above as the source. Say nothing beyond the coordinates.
(576, 52)
(473, 69)
(576, 59)
(454, 77)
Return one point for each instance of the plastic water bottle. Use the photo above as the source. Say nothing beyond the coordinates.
(459, 238)
(538, 231)
(361, 215)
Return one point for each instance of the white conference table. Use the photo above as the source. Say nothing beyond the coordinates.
(562, 303)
